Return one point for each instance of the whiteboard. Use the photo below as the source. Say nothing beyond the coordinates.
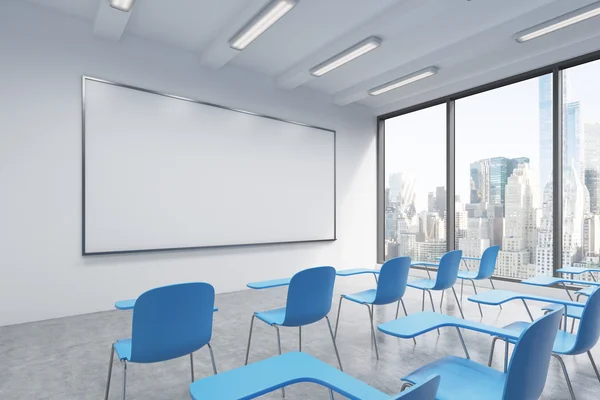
(162, 172)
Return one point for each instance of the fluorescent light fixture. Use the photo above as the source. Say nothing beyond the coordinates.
(563, 21)
(405, 80)
(262, 21)
(122, 5)
(346, 56)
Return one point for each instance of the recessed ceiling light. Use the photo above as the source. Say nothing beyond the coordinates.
(563, 21)
(262, 21)
(346, 56)
(123, 5)
(405, 80)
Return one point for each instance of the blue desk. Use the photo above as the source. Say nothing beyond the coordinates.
(129, 304)
(425, 264)
(497, 297)
(578, 271)
(551, 281)
(286, 281)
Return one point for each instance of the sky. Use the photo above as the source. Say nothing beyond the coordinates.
(498, 123)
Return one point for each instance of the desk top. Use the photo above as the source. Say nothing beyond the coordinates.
(286, 281)
(550, 280)
(497, 297)
(577, 270)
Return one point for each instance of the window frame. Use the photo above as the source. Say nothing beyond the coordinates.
(557, 111)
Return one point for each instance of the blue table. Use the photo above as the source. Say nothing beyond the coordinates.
(551, 281)
(578, 271)
(425, 264)
(129, 304)
(286, 281)
(465, 260)
(497, 297)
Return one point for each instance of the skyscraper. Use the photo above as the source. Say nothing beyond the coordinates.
(545, 126)
(591, 161)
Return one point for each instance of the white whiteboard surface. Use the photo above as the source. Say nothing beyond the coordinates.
(162, 173)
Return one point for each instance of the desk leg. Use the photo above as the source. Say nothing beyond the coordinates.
(527, 308)
(568, 293)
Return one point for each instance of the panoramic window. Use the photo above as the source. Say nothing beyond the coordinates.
(415, 185)
(504, 177)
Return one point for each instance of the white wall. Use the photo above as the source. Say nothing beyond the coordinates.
(42, 273)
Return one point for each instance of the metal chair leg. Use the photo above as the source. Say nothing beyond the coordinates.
(406, 386)
(527, 308)
(462, 341)
(337, 320)
(442, 300)
(593, 365)
(405, 313)
(458, 303)
(572, 324)
(212, 358)
(432, 306)
(249, 338)
(373, 331)
(494, 288)
(397, 309)
(423, 302)
(492, 351)
(124, 378)
(505, 356)
(478, 305)
(564, 369)
(110, 364)
(192, 365)
(337, 354)
(462, 284)
(279, 349)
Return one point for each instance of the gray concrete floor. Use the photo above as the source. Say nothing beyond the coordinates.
(67, 358)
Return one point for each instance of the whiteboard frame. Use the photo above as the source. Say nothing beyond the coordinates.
(84, 252)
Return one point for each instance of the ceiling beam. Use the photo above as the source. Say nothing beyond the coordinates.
(110, 23)
(219, 53)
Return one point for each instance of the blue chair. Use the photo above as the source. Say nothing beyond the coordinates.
(463, 379)
(309, 300)
(168, 322)
(265, 376)
(567, 343)
(487, 265)
(447, 274)
(390, 289)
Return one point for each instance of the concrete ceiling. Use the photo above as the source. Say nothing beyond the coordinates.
(470, 41)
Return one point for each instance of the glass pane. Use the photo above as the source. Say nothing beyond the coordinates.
(503, 153)
(581, 167)
(415, 194)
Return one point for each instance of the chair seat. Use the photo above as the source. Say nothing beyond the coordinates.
(123, 349)
(366, 296)
(462, 379)
(467, 274)
(586, 291)
(563, 344)
(272, 317)
(572, 312)
(422, 284)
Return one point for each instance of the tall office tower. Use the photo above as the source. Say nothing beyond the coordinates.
(477, 237)
(480, 181)
(591, 161)
(576, 205)
(440, 200)
(431, 227)
(545, 126)
(544, 252)
(460, 224)
(391, 223)
(428, 251)
(402, 191)
(430, 202)
(520, 226)
(573, 138)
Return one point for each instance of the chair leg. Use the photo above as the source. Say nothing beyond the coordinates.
(462, 341)
(505, 356)
(405, 313)
(397, 308)
(478, 305)
(373, 331)
(337, 320)
(494, 288)
(299, 338)
(405, 386)
(423, 302)
(527, 308)
(212, 358)
(572, 324)
(110, 364)
(564, 369)
(124, 378)
(442, 300)
(279, 349)
(462, 284)
(458, 303)
(492, 351)
(192, 365)
(337, 354)
(432, 306)
(249, 338)
(593, 365)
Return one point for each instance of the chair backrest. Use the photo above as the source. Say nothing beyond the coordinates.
(531, 357)
(423, 391)
(448, 270)
(488, 262)
(589, 326)
(309, 296)
(392, 280)
(171, 321)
